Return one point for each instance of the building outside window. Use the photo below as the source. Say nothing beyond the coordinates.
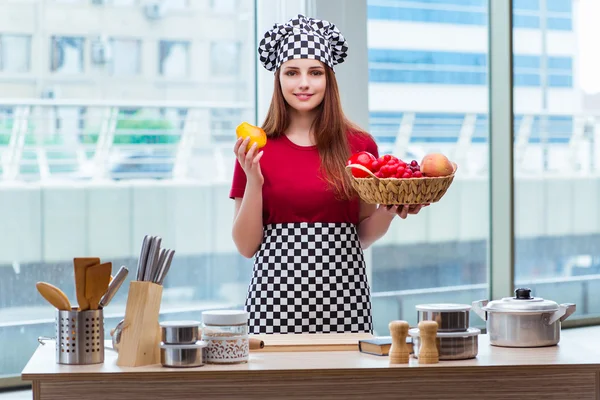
(225, 58)
(174, 59)
(15, 53)
(224, 6)
(126, 57)
(66, 54)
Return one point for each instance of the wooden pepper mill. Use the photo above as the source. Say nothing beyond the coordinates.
(398, 352)
(428, 351)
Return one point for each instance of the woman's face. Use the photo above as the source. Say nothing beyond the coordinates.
(303, 83)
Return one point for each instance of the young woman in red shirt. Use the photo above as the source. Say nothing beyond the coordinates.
(295, 210)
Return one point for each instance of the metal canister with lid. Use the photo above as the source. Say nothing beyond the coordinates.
(226, 335)
(455, 340)
(449, 317)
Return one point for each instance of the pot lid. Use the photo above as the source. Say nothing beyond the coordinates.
(225, 317)
(180, 324)
(443, 307)
(522, 302)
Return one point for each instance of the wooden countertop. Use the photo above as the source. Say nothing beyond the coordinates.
(578, 347)
(570, 370)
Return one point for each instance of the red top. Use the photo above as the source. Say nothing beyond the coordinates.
(293, 190)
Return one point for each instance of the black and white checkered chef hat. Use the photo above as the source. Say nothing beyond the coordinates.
(302, 37)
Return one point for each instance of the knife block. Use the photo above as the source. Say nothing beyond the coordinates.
(141, 335)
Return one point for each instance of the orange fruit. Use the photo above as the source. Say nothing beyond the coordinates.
(256, 134)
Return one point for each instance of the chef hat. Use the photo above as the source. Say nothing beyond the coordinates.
(302, 37)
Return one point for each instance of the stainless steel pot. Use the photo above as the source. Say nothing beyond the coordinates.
(523, 321)
(449, 317)
(451, 345)
(180, 332)
(183, 355)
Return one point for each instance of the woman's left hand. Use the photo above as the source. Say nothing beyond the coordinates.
(403, 210)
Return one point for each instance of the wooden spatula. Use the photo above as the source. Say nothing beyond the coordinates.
(81, 264)
(54, 296)
(97, 278)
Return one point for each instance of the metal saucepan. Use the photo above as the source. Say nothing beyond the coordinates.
(449, 317)
(451, 345)
(523, 321)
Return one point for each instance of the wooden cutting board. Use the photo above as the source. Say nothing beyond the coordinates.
(311, 342)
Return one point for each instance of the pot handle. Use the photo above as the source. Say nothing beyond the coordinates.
(563, 312)
(478, 308)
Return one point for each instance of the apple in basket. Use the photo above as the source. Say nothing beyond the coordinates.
(389, 166)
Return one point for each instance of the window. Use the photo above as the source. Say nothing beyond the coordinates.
(126, 57)
(66, 55)
(225, 58)
(178, 4)
(224, 6)
(555, 162)
(423, 100)
(15, 53)
(527, 13)
(123, 3)
(174, 59)
(453, 68)
(95, 140)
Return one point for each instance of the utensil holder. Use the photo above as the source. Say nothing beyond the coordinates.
(79, 337)
(140, 337)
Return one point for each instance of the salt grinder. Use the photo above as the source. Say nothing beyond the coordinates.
(398, 352)
(428, 353)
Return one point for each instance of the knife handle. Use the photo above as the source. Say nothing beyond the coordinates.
(152, 258)
(114, 286)
(143, 257)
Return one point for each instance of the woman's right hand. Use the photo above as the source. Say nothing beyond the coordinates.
(250, 161)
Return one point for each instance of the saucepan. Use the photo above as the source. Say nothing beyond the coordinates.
(522, 320)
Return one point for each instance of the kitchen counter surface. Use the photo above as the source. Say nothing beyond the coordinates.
(569, 370)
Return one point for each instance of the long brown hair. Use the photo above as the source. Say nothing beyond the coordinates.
(330, 127)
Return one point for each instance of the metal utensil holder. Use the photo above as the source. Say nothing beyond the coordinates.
(79, 337)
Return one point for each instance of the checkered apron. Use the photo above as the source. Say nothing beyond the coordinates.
(309, 278)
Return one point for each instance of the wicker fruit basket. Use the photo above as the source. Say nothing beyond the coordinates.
(395, 191)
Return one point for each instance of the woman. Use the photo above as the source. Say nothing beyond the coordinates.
(295, 209)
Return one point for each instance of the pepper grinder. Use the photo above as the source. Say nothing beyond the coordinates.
(428, 353)
(398, 350)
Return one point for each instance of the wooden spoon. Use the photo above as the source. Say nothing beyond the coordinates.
(54, 296)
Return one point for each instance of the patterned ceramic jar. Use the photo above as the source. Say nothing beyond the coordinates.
(226, 333)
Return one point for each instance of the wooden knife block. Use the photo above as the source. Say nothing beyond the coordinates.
(141, 335)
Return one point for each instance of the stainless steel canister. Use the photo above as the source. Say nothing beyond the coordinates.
(183, 355)
(449, 317)
(79, 337)
(451, 345)
(180, 332)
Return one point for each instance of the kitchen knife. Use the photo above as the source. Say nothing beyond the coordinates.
(165, 269)
(143, 257)
(114, 286)
(152, 258)
(159, 265)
